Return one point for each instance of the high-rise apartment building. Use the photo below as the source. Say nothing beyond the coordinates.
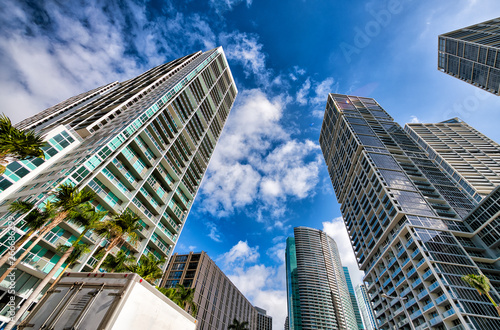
(365, 307)
(317, 292)
(471, 54)
(264, 321)
(405, 217)
(218, 300)
(354, 301)
(469, 156)
(141, 145)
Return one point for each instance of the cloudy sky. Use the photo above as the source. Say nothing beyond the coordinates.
(267, 174)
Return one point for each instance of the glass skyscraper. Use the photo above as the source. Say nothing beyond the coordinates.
(365, 307)
(405, 217)
(354, 301)
(317, 292)
(472, 54)
(141, 145)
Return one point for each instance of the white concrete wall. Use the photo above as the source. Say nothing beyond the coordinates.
(144, 309)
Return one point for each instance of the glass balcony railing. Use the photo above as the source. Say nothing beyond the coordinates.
(111, 177)
(167, 232)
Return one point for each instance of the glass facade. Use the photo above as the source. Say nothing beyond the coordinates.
(471, 54)
(317, 291)
(365, 307)
(354, 301)
(405, 217)
(141, 145)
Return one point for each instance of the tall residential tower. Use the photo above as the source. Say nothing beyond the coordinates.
(317, 292)
(404, 215)
(141, 145)
(472, 54)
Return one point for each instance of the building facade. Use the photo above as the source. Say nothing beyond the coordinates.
(405, 217)
(471, 54)
(264, 321)
(466, 154)
(365, 307)
(141, 145)
(219, 301)
(354, 301)
(317, 292)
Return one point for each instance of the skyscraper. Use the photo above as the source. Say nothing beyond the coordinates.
(404, 215)
(365, 307)
(219, 301)
(143, 145)
(264, 321)
(354, 301)
(471, 54)
(469, 156)
(317, 292)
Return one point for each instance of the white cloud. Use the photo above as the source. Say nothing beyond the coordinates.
(414, 119)
(222, 6)
(304, 92)
(337, 230)
(71, 49)
(214, 232)
(239, 255)
(264, 286)
(322, 90)
(256, 161)
(245, 49)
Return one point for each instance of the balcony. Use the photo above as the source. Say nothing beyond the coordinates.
(415, 253)
(142, 209)
(409, 243)
(410, 303)
(411, 272)
(405, 291)
(400, 282)
(433, 286)
(435, 320)
(160, 245)
(422, 294)
(417, 282)
(448, 313)
(416, 314)
(427, 274)
(428, 306)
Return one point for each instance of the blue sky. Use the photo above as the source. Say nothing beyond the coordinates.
(267, 174)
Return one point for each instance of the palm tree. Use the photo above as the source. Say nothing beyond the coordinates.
(182, 296)
(149, 267)
(67, 202)
(482, 284)
(78, 250)
(120, 229)
(236, 325)
(35, 219)
(186, 296)
(16, 144)
(118, 264)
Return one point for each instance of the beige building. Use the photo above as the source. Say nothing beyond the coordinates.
(219, 301)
